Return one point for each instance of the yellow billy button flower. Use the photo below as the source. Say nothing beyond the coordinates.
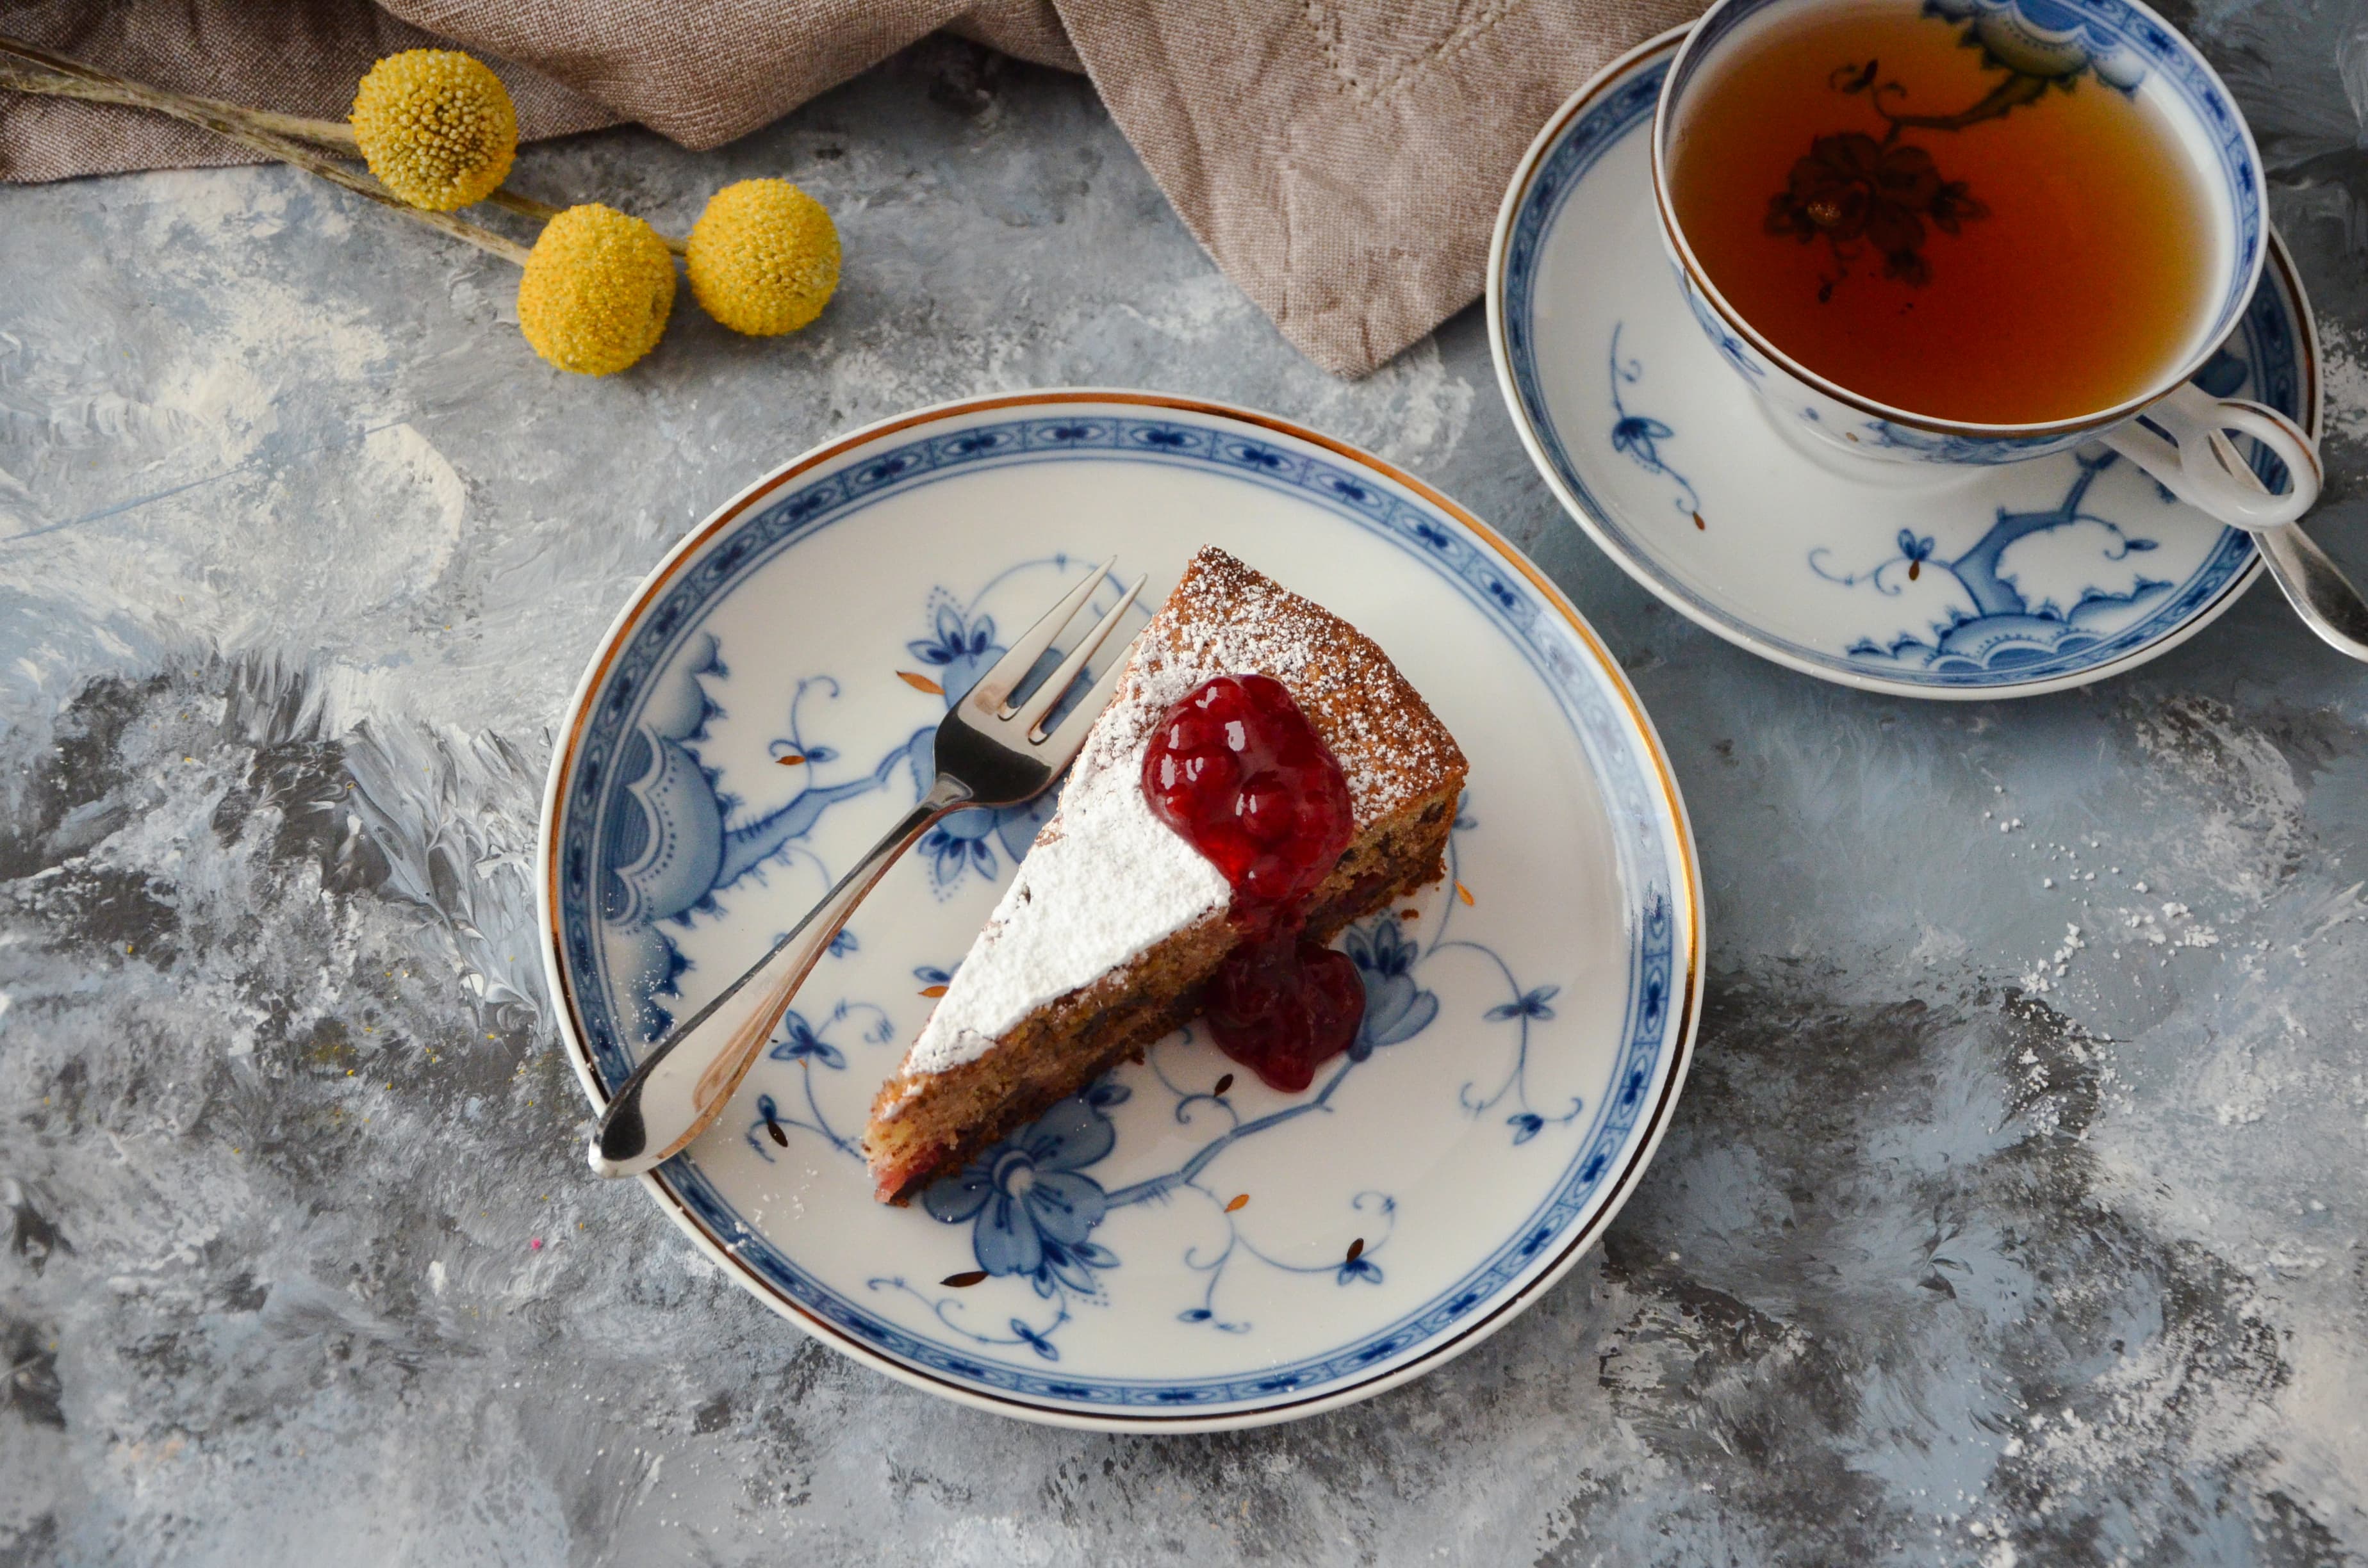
(437, 127)
(764, 258)
(597, 290)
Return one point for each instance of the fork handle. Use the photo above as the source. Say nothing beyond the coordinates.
(684, 1084)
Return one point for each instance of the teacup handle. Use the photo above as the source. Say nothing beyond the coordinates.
(2205, 470)
(2199, 467)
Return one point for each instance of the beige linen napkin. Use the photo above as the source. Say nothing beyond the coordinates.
(1342, 160)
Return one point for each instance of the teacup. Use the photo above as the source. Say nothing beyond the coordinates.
(2172, 429)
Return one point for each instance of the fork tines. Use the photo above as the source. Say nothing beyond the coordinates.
(991, 700)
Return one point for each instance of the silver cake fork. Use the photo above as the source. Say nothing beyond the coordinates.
(992, 750)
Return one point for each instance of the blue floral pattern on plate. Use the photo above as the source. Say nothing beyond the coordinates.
(1032, 1208)
(1036, 1215)
(1637, 436)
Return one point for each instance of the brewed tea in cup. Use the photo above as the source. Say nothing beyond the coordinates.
(1974, 232)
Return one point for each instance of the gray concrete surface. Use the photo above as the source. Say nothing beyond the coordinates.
(2002, 1223)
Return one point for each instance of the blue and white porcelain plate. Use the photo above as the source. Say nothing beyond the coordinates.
(1946, 583)
(1178, 1247)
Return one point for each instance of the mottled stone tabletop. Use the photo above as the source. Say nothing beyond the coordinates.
(2014, 1213)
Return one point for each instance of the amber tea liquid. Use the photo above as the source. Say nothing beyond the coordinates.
(1927, 229)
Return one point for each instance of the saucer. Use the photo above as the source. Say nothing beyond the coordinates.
(1220, 1255)
(1951, 583)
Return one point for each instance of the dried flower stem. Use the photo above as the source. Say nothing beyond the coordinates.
(334, 134)
(103, 88)
(337, 136)
(331, 133)
(273, 142)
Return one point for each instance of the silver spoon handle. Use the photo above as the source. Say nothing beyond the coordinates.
(2317, 588)
(683, 1085)
(2314, 584)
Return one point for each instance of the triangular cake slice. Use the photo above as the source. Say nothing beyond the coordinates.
(1113, 925)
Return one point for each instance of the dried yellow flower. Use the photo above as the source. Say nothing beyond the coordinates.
(437, 127)
(764, 258)
(596, 291)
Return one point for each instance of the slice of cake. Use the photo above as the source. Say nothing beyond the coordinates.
(1171, 877)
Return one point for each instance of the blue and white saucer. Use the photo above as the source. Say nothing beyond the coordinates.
(1967, 582)
(1178, 1247)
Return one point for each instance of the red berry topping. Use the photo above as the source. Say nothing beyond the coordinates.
(1282, 1008)
(1238, 771)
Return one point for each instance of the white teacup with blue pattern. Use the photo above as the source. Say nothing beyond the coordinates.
(2174, 429)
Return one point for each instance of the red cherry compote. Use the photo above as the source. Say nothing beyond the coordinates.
(1238, 771)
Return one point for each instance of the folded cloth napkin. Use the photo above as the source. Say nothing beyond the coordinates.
(1342, 160)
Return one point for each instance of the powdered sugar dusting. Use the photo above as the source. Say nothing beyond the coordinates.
(1229, 618)
(1107, 880)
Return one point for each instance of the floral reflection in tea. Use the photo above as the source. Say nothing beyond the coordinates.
(2001, 236)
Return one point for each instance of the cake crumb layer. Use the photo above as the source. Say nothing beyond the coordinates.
(1119, 917)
